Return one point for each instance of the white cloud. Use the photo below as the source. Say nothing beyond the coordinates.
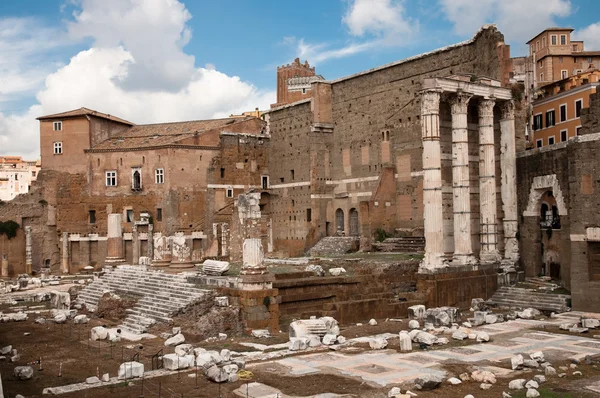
(518, 20)
(590, 35)
(372, 24)
(136, 70)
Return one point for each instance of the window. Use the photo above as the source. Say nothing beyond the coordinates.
(575, 49)
(578, 106)
(551, 140)
(303, 91)
(578, 130)
(308, 215)
(159, 176)
(92, 214)
(136, 179)
(550, 120)
(543, 42)
(57, 126)
(563, 135)
(537, 122)
(264, 182)
(58, 148)
(560, 60)
(553, 40)
(222, 173)
(563, 40)
(589, 60)
(538, 143)
(229, 193)
(541, 77)
(129, 215)
(537, 45)
(111, 178)
(564, 74)
(159, 214)
(563, 113)
(292, 174)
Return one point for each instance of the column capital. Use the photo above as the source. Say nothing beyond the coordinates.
(508, 109)
(459, 102)
(430, 101)
(486, 107)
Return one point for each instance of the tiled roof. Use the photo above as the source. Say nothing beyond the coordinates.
(163, 134)
(83, 112)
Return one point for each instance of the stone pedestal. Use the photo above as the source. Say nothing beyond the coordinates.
(64, 265)
(254, 275)
(162, 251)
(115, 241)
(28, 256)
(182, 253)
(405, 341)
(135, 242)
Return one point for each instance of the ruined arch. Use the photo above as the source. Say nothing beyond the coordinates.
(539, 187)
(354, 226)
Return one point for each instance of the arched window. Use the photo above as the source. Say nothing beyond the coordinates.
(339, 221)
(354, 230)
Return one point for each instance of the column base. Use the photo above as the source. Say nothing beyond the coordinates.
(256, 281)
(161, 264)
(464, 259)
(433, 261)
(113, 262)
(181, 265)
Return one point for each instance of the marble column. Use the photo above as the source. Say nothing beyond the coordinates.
(4, 265)
(182, 252)
(487, 184)
(254, 274)
(461, 190)
(150, 252)
(135, 245)
(65, 253)
(508, 165)
(28, 257)
(115, 240)
(432, 180)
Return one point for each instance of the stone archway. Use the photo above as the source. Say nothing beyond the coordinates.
(539, 186)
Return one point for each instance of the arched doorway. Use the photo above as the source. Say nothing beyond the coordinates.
(339, 221)
(354, 222)
(137, 181)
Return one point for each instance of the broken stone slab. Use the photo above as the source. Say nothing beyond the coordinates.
(298, 343)
(306, 327)
(491, 319)
(405, 341)
(540, 379)
(175, 340)
(373, 322)
(337, 271)
(528, 313)
(485, 386)
(222, 301)
(230, 369)
(532, 393)
(516, 361)
(550, 371)
(92, 380)
(459, 335)
(537, 356)
(215, 267)
(130, 370)
(426, 338)
(316, 269)
(225, 355)
(184, 349)
(23, 372)
(378, 344)
(6, 350)
(315, 341)
(578, 330)
(454, 381)
(393, 392)
(79, 319)
(567, 326)
(329, 339)
(483, 376)
(530, 363)
(176, 362)
(60, 300)
(261, 333)
(105, 377)
(479, 318)
(478, 304)
(590, 323)
(532, 384)
(428, 382)
(40, 320)
(442, 341)
(216, 374)
(60, 318)
(416, 312)
(205, 359)
(98, 333)
(482, 337)
(413, 324)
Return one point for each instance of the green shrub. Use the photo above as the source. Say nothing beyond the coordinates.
(9, 228)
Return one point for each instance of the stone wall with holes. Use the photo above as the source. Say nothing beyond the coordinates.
(375, 118)
(570, 171)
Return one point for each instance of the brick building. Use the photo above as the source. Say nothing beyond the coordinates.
(16, 176)
(294, 82)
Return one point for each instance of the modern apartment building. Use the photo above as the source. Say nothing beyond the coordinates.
(16, 176)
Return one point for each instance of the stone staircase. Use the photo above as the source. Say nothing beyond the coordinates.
(334, 246)
(530, 298)
(404, 244)
(162, 295)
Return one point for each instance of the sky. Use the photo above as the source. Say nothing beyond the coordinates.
(152, 61)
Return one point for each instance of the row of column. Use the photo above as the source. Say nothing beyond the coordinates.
(461, 190)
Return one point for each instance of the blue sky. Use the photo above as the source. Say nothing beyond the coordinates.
(164, 60)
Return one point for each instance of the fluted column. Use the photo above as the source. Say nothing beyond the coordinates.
(65, 253)
(487, 184)
(114, 241)
(461, 191)
(432, 180)
(28, 253)
(508, 165)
